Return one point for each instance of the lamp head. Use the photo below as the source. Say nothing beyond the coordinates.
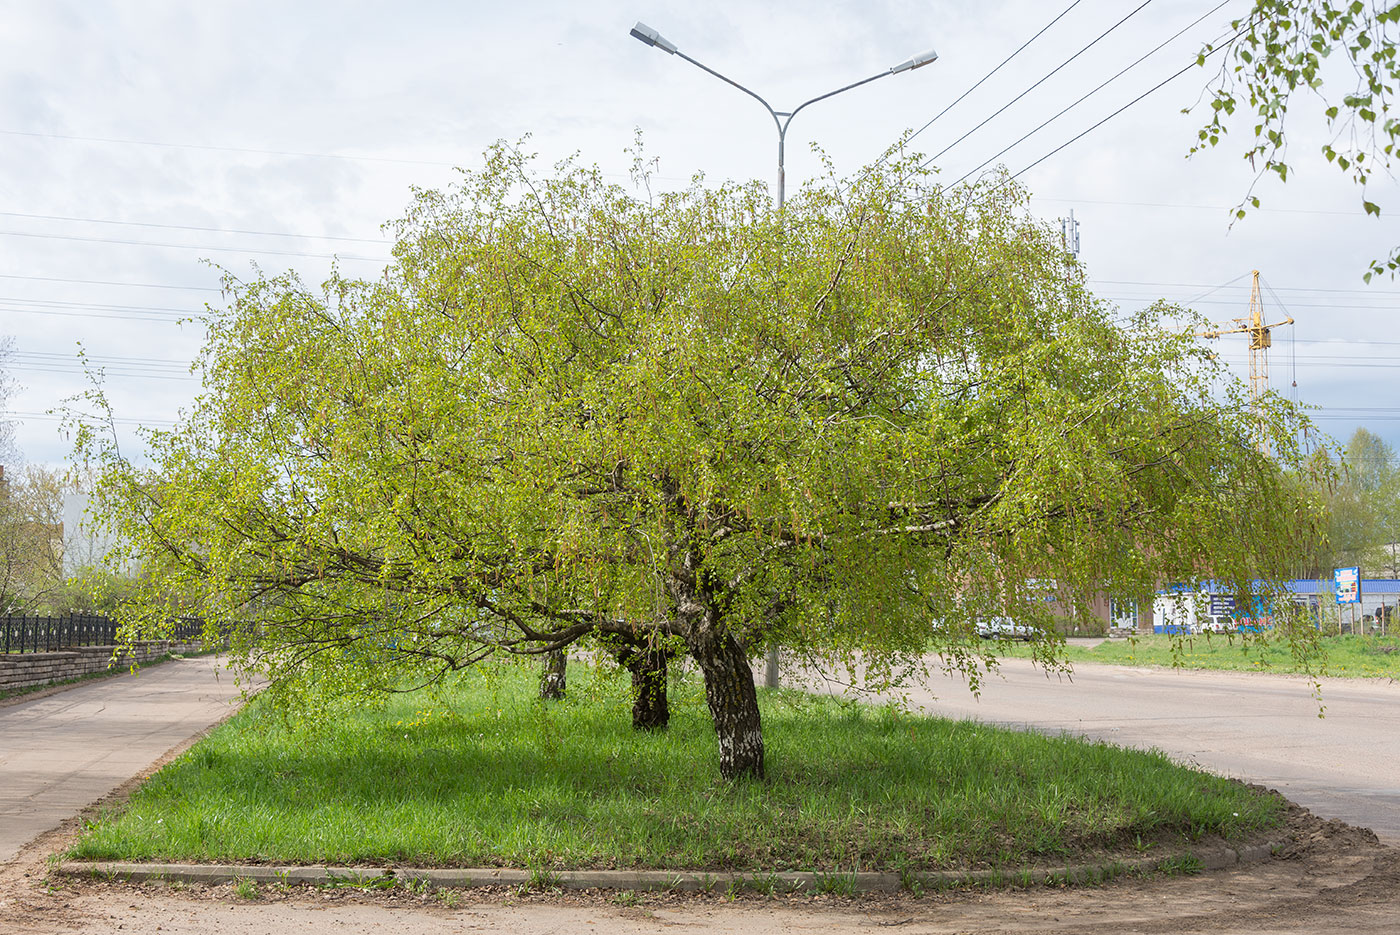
(651, 37)
(918, 61)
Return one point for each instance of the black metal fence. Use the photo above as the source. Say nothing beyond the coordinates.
(48, 634)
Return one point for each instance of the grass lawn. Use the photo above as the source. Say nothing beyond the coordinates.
(1346, 656)
(483, 774)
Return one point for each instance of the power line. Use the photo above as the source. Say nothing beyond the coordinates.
(1013, 176)
(1194, 302)
(150, 368)
(1201, 285)
(348, 157)
(1091, 93)
(1349, 365)
(1342, 418)
(120, 316)
(1363, 342)
(1164, 204)
(61, 303)
(51, 417)
(1329, 361)
(66, 309)
(191, 227)
(108, 282)
(186, 246)
(1149, 91)
(224, 149)
(97, 359)
(1042, 80)
(989, 74)
(108, 372)
(1277, 289)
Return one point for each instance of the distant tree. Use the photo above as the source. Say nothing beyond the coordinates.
(91, 589)
(683, 424)
(1362, 502)
(1284, 47)
(31, 538)
(9, 454)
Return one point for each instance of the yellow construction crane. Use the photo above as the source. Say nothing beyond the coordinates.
(1259, 343)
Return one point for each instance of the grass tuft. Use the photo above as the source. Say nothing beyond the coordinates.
(1183, 865)
(836, 884)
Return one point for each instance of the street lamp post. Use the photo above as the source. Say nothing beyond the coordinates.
(782, 119)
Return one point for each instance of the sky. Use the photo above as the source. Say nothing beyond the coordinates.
(146, 145)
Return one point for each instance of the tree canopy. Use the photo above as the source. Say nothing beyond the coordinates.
(31, 540)
(1360, 492)
(570, 413)
(1281, 48)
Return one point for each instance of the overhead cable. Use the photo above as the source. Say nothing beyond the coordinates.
(1090, 94)
(189, 246)
(191, 227)
(109, 282)
(1184, 205)
(989, 74)
(222, 149)
(1152, 90)
(1038, 83)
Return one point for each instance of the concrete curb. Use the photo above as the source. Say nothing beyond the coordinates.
(787, 881)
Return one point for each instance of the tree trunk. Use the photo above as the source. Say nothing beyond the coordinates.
(648, 665)
(733, 701)
(650, 710)
(729, 688)
(552, 680)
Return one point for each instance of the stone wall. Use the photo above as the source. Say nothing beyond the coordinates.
(24, 670)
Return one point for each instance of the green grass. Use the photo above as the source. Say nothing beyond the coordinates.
(482, 774)
(1345, 656)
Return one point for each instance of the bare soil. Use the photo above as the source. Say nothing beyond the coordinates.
(1330, 877)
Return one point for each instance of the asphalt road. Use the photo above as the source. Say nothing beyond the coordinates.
(1253, 726)
(62, 752)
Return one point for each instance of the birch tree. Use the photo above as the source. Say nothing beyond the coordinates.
(675, 423)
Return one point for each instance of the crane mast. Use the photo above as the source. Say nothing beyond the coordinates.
(1259, 344)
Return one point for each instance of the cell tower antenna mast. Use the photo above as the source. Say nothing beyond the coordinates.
(1069, 234)
(1259, 344)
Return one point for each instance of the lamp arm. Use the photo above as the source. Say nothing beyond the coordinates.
(822, 97)
(730, 81)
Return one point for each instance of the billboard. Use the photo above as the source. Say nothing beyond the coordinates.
(1346, 583)
(1222, 605)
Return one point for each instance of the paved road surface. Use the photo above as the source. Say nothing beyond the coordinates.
(60, 753)
(65, 751)
(1263, 728)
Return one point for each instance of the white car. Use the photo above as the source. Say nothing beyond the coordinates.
(1003, 628)
(1217, 624)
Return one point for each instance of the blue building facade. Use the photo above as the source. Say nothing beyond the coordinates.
(1375, 612)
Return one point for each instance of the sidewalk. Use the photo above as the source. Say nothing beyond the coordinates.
(62, 752)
